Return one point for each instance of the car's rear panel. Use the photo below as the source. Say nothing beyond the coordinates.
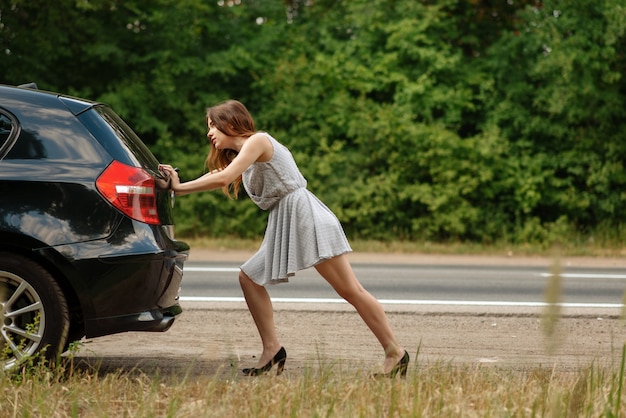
(165, 255)
(124, 146)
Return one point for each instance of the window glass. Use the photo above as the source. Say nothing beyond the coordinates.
(138, 149)
(7, 126)
(118, 138)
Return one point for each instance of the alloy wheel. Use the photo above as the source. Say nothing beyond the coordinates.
(23, 319)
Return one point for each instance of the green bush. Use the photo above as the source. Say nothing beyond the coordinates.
(454, 120)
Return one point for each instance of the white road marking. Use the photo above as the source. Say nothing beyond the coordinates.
(408, 302)
(587, 275)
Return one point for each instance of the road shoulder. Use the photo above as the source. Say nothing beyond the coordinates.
(239, 256)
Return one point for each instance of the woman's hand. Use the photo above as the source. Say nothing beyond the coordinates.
(172, 174)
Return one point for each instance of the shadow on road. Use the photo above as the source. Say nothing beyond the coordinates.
(153, 367)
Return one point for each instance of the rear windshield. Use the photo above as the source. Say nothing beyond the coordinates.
(109, 129)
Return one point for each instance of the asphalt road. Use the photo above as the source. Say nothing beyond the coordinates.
(474, 284)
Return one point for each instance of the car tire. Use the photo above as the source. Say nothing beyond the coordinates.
(34, 318)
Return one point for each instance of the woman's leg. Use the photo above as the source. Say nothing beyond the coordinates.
(260, 306)
(338, 273)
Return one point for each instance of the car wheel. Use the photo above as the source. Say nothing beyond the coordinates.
(34, 318)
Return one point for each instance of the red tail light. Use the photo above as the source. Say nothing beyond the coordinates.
(131, 190)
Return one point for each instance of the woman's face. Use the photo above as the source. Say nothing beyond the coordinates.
(216, 137)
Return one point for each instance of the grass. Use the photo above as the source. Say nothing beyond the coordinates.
(434, 390)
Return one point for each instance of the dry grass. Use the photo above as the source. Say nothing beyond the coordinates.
(435, 390)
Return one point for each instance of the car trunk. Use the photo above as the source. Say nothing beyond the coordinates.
(123, 144)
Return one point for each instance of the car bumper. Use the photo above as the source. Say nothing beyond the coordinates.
(129, 281)
(155, 321)
(145, 301)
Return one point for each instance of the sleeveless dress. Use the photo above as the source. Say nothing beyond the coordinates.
(301, 231)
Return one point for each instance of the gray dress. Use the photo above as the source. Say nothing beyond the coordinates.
(301, 231)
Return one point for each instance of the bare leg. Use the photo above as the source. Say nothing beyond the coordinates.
(260, 306)
(338, 273)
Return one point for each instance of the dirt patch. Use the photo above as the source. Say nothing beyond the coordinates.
(209, 340)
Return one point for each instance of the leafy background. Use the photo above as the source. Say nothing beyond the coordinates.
(455, 120)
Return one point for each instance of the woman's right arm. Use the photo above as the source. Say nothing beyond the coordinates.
(255, 147)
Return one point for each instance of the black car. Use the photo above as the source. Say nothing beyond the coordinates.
(87, 243)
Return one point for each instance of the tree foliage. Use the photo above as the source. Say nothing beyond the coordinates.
(452, 120)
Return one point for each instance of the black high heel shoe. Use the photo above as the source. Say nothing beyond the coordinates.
(401, 367)
(279, 359)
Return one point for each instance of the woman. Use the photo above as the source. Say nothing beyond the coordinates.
(301, 232)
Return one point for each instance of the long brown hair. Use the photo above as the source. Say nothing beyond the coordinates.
(232, 118)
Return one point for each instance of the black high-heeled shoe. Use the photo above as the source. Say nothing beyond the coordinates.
(400, 367)
(279, 359)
